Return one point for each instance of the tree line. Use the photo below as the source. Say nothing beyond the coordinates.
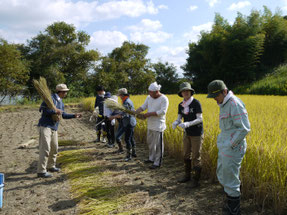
(238, 53)
(241, 53)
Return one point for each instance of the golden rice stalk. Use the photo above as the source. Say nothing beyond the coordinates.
(44, 92)
(112, 104)
(116, 106)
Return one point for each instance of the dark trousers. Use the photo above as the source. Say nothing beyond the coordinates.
(129, 137)
(100, 126)
(110, 129)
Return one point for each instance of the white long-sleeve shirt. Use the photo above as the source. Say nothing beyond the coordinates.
(158, 105)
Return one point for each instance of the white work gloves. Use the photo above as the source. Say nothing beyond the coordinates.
(177, 121)
(174, 124)
(184, 125)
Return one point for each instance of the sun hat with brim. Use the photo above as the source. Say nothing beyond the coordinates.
(185, 86)
(215, 87)
(62, 87)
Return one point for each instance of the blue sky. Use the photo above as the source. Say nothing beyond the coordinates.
(166, 26)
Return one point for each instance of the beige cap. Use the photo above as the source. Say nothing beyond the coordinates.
(122, 91)
(62, 87)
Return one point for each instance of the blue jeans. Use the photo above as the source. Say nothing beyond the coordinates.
(120, 132)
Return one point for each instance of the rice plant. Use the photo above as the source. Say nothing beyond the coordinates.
(264, 167)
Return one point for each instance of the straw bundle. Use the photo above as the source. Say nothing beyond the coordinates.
(112, 104)
(44, 92)
(116, 106)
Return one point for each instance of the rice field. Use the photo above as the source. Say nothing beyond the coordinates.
(264, 167)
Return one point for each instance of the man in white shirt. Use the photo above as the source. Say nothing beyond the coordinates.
(156, 104)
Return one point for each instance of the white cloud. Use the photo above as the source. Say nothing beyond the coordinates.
(31, 16)
(239, 5)
(175, 55)
(131, 8)
(107, 40)
(146, 25)
(148, 31)
(212, 2)
(150, 37)
(194, 34)
(192, 7)
(284, 5)
(15, 36)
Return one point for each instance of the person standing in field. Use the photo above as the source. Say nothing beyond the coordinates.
(156, 104)
(231, 143)
(99, 105)
(128, 122)
(191, 112)
(48, 135)
(109, 123)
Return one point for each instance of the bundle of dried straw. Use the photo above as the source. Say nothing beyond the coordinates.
(116, 106)
(43, 90)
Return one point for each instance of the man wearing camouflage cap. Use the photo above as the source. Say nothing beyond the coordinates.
(231, 142)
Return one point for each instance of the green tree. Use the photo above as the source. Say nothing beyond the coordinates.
(229, 52)
(59, 54)
(167, 77)
(13, 71)
(126, 66)
(275, 44)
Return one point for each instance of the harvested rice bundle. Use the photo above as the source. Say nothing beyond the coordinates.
(44, 92)
(116, 106)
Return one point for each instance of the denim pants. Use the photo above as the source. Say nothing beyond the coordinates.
(129, 137)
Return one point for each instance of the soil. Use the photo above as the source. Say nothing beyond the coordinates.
(24, 193)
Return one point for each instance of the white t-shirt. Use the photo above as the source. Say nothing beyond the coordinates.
(158, 105)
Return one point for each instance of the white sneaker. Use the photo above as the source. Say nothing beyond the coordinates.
(104, 140)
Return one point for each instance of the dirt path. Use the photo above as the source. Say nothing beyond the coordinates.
(24, 193)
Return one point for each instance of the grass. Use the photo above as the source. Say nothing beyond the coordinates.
(274, 83)
(70, 143)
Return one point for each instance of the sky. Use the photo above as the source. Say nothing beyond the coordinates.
(165, 26)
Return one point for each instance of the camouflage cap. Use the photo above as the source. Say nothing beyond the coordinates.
(185, 86)
(215, 87)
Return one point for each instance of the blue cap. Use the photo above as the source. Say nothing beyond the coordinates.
(108, 95)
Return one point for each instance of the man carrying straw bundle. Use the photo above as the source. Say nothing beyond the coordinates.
(128, 123)
(48, 136)
(231, 143)
(156, 104)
